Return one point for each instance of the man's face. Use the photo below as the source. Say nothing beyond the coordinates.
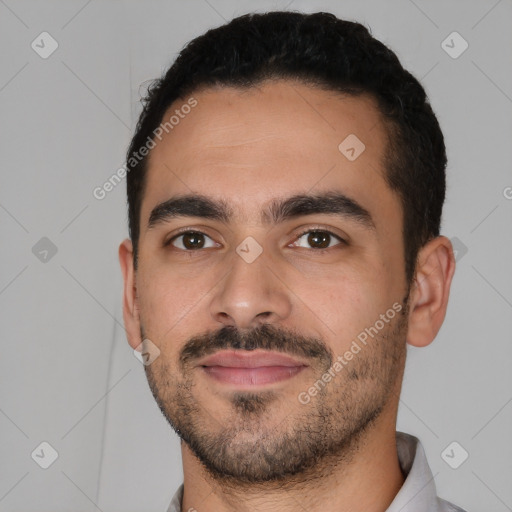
(250, 284)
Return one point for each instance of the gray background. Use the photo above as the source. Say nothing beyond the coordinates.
(68, 376)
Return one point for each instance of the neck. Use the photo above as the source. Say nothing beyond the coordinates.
(367, 480)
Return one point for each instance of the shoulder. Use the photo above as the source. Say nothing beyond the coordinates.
(446, 506)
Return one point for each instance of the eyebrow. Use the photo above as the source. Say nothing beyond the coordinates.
(279, 210)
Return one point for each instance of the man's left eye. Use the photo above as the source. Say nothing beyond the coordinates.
(318, 239)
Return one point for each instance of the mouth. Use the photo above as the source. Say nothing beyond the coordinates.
(247, 369)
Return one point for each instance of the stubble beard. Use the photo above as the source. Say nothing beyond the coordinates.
(249, 447)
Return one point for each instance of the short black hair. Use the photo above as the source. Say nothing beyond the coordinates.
(323, 51)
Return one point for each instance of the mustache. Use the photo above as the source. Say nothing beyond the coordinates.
(265, 337)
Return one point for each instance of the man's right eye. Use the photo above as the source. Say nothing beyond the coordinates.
(189, 241)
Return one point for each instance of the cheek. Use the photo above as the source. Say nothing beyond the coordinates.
(345, 302)
(168, 303)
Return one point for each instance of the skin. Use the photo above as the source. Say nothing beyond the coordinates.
(249, 147)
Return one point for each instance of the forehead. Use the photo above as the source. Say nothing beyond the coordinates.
(248, 146)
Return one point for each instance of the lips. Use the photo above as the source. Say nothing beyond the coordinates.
(249, 368)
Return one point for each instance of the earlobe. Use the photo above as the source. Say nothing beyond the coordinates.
(430, 291)
(130, 305)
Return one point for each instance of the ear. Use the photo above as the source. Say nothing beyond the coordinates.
(130, 306)
(430, 291)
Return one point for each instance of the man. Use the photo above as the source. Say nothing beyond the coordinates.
(285, 189)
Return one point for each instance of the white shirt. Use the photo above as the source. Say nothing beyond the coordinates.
(417, 494)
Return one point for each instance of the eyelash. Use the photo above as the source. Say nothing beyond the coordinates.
(300, 235)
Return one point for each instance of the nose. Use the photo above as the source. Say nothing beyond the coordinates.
(250, 294)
